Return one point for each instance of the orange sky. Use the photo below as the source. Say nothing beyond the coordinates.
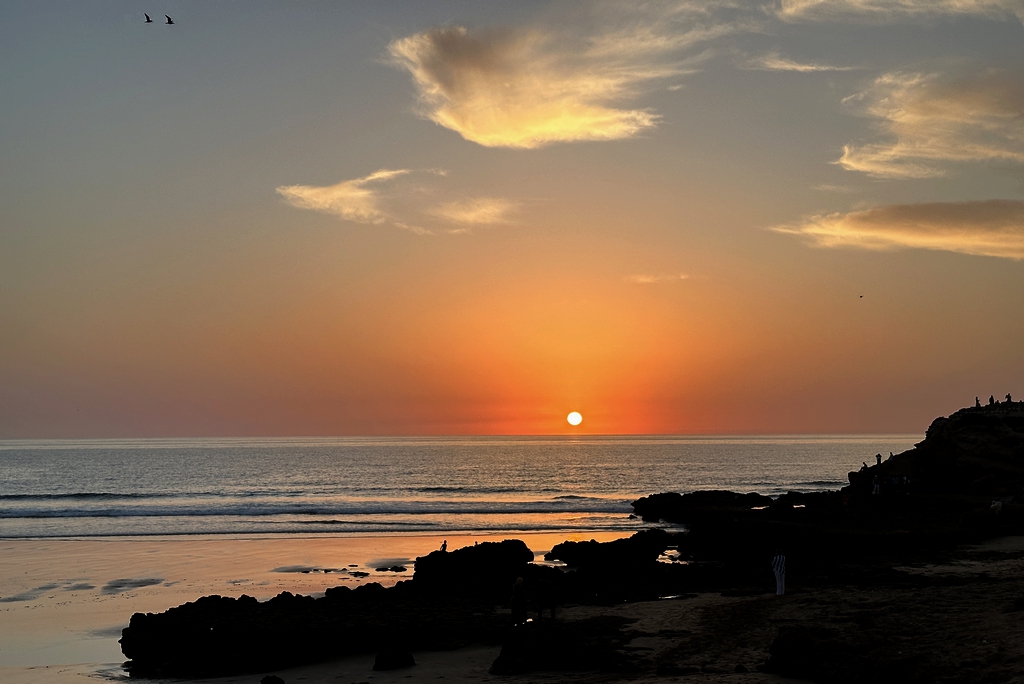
(469, 219)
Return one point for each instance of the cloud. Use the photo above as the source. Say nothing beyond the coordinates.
(380, 198)
(647, 279)
(933, 119)
(827, 187)
(481, 211)
(888, 10)
(774, 62)
(530, 87)
(988, 228)
(352, 200)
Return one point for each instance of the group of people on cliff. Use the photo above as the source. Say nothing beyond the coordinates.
(992, 401)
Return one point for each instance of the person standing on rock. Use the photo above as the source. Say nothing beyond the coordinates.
(444, 546)
(779, 566)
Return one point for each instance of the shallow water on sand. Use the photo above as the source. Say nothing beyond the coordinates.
(66, 600)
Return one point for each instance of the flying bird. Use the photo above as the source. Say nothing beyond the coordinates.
(169, 20)
(148, 20)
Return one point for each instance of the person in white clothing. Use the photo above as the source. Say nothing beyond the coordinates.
(779, 566)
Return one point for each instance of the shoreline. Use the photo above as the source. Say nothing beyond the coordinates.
(62, 601)
(962, 613)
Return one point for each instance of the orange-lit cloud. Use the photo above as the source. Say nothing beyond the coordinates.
(990, 228)
(375, 199)
(886, 10)
(353, 200)
(651, 279)
(480, 211)
(773, 61)
(936, 119)
(530, 87)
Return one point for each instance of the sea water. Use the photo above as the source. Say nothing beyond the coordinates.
(380, 486)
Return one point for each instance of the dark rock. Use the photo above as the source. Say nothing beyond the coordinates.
(591, 644)
(976, 451)
(393, 660)
(487, 569)
(641, 548)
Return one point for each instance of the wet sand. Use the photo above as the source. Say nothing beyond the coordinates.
(962, 617)
(65, 601)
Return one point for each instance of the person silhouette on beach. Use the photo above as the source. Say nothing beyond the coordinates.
(444, 546)
(779, 566)
(991, 400)
(977, 403)
(518, 602)
(878, 459)
(1008, 399)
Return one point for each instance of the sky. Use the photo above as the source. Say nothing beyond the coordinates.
(410, 218)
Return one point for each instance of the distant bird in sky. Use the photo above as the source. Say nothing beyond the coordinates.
(148, 20)
(169, 20)
(862, 296)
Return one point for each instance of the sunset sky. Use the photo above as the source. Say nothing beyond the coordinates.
(388, 218)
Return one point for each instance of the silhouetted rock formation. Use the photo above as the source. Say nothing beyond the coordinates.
(975, 451)
(487, 569)
(590, 644)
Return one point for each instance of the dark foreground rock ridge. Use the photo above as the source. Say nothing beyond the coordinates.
(961, 484)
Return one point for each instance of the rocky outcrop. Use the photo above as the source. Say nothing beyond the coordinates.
(484, 570)
(976, 451)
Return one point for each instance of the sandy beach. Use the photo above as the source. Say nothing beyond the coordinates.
(961, 614)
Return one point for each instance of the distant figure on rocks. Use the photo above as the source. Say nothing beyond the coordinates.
(518, 602)
(444, 546)
(991, 400)
(977, 404)
(779, 566)
(878, 459)
(890, 456)
(865, 466)
(1008, 399)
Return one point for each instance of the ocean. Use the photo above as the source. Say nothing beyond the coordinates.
(382, 486)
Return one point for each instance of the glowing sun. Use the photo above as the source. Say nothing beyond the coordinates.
(575, 418)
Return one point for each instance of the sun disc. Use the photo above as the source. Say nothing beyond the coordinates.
(575, 418)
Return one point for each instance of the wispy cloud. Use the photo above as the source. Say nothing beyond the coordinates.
(992, 228)
(775, 62)
(827, 187)
(376, 199)
(480, 211)
(528, 87)
(353, 200)
(932, 119)
(888, 10)
(652, 279)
